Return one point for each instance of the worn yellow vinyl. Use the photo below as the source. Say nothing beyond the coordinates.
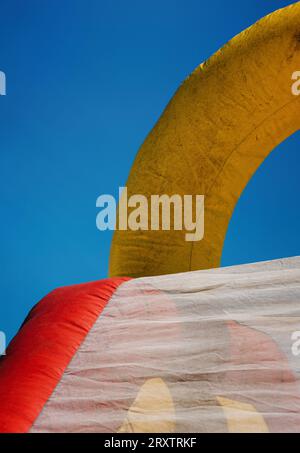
(221, 124)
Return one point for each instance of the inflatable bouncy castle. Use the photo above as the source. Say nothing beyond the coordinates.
(202, 351)
(171, 342)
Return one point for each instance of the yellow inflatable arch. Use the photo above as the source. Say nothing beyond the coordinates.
(224, 120)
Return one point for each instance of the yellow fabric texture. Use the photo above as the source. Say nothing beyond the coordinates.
(153, 404)
(221, 124)
(242, 417)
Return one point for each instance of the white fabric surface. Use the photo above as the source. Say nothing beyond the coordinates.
(204, 351)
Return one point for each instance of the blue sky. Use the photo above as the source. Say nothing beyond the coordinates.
(86, 81)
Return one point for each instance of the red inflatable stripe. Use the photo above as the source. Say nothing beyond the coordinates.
(39, 354)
